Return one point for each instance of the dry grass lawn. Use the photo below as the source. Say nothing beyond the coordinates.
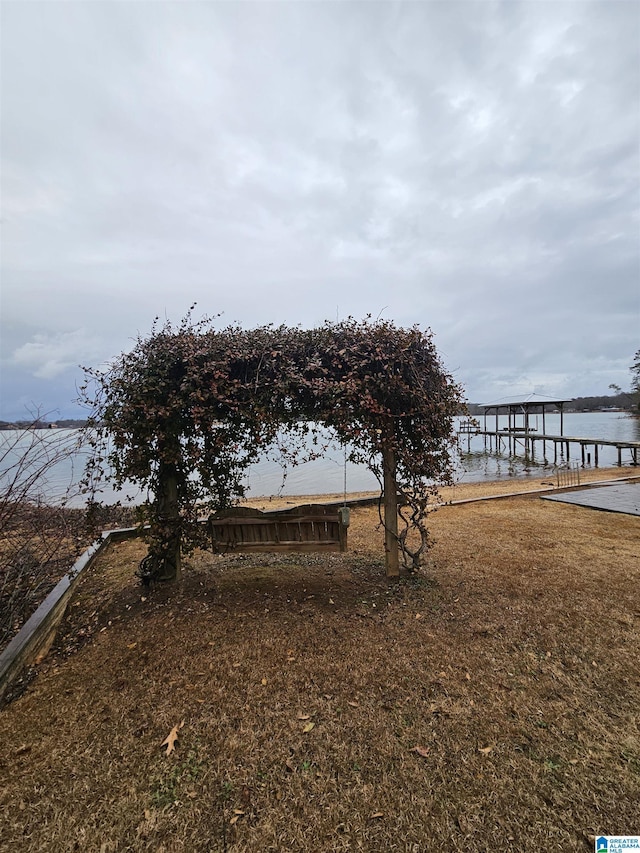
(491, 703)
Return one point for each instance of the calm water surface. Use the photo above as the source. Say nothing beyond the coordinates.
(475, 463)
(327, 475)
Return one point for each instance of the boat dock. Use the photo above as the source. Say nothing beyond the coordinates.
(512, 440)
(520, 435)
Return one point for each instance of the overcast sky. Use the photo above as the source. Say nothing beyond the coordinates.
(472, 167)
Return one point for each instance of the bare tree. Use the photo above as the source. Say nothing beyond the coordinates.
(38, 532)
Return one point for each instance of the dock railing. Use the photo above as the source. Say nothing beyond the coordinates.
(471, 426)
(568, 475)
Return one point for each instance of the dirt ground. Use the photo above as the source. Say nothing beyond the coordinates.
(490, 703)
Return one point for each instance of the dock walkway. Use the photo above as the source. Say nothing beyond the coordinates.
(528, 438)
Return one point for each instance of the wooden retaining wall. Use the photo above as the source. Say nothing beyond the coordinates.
(36, 636)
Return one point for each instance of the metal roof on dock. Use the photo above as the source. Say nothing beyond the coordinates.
(530, 402)
(525, 408)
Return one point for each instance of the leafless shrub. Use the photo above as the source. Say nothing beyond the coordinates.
(39, 531)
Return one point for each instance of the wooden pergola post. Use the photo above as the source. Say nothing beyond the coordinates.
(390, 504)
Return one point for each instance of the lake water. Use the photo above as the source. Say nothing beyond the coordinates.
(478, 464)
(327, 474)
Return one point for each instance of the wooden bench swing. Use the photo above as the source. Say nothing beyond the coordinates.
(307, 528)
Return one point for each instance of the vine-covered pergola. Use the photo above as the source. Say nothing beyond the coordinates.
(190, 408)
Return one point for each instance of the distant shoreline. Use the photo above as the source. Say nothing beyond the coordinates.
(67, 423)
(579, 406)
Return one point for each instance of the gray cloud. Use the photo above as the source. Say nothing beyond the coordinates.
(472, 167)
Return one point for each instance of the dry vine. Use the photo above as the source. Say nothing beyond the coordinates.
(195, 406)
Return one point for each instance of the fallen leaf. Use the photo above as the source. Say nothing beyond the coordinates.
(353, 704)
(485, 750)
(376, 815)
(307, 728)
(238, 812)
(421, 750)
(171, 738)
(132, 645)
(304, 716)
(263, 682)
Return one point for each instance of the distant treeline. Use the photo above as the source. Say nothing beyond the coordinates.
(67, 423)
(584, 404)
(593, 404)
(578, 404)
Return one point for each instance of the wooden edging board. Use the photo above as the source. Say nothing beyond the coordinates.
(35, 637)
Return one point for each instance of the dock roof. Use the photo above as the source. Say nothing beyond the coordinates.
(533, 401)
